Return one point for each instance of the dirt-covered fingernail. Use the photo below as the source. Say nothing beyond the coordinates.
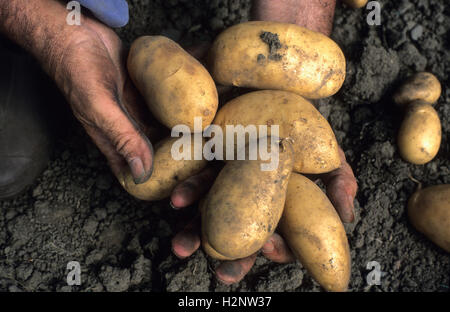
(173, 206)
(228, 272)
(137, 170)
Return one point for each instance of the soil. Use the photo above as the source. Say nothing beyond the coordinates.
(77, 211)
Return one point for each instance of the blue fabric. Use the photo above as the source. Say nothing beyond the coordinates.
(113, 13)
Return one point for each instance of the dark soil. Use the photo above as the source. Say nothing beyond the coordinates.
(77, 211)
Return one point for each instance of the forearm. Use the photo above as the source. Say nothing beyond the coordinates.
(39, 26)
(316, 15)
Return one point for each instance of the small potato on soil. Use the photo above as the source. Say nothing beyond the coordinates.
(422, 86)
(420, 134)
(429, 213)
(167, 173)
(314, 232)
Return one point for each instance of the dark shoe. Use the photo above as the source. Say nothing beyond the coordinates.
(24, 131)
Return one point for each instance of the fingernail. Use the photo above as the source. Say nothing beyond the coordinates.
(173, 206)
(228, 272)
(176, 254)
(268, 247)
(137, 170)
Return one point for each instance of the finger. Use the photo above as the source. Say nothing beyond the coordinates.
(186, 242)
(230, 272)
(192, 189)
(341, 188)
(139, 112)
(276, 250)
(120, 139)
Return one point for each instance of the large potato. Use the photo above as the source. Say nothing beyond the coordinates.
(167, 173)
(314, 143)
(419, 137)
(429, 212)
(244, 205)
(270, 55)
(315, 234)
(422, 86)
(176, 87)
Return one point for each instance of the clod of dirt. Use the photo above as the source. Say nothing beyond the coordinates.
(115, 279)
(274, 44)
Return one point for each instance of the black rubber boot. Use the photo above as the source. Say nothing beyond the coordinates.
(25, 139)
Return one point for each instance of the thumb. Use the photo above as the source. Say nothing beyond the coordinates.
(119, 138)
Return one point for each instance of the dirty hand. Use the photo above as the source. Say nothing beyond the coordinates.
(340, 184)
(87, 63)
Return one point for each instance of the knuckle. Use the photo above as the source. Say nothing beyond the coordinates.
(125, 143)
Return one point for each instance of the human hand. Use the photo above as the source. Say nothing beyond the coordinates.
(87, 63)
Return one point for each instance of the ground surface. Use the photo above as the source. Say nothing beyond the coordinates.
(78, 212)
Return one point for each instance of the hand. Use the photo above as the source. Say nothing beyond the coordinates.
(88, 64)
(340, 184)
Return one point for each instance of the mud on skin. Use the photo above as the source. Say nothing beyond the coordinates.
(78, 212)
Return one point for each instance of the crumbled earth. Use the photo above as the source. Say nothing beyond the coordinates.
(77, 211)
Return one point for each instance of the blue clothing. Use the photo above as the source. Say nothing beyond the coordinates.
(113, 13)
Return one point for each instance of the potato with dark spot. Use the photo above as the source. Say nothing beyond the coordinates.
(429, 213)
(420, 135)
(167, 172)
(244, 205)
(277, 56)
(314, 143)
(422, 86)
(176, 87)
(314, 232)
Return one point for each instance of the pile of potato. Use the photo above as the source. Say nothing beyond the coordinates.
(245, 205)
(419, 139)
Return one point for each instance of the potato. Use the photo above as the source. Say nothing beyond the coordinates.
(167, 173)
(429, 213)
(312, 229)
(244, 205)
(356, 4)
(422, 86)
(419, 137)
(205, 244)
(314, 143)
(270, 55)
(176, 87)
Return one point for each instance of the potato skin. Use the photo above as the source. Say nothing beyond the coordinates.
(314, 143)
(421, 86)
(356, 4)
(176, 87)
(167, 173)
(244, 205)
(419, 137)
(306, 62)
(429, 213)
(312, 229)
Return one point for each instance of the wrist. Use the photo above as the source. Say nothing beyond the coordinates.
(38, 26)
